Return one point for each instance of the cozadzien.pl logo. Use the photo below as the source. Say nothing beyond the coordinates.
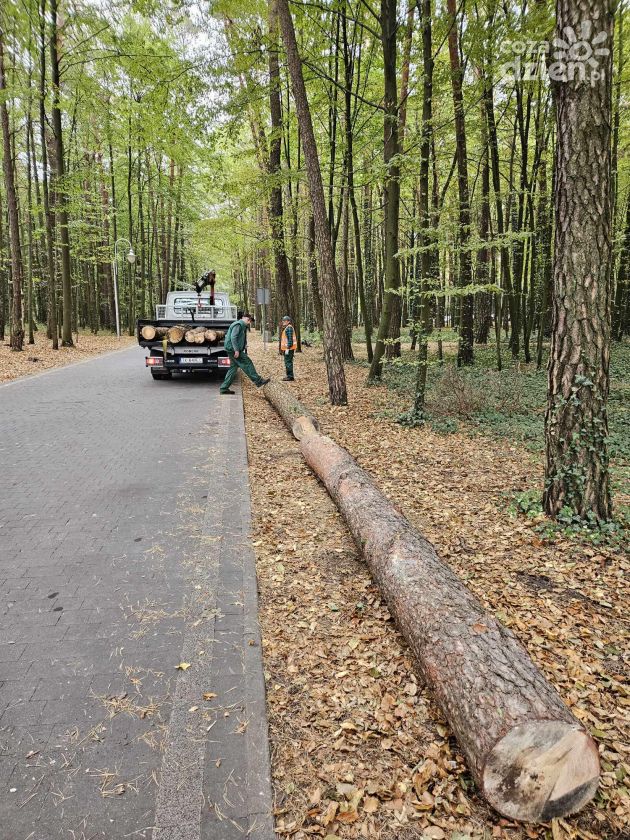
(575, 55)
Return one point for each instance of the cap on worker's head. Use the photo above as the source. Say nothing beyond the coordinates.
(286, 318)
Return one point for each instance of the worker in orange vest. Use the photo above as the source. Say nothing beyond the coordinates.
(288, 346)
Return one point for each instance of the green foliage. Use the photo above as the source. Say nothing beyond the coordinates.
(511, 404)
(615, 534)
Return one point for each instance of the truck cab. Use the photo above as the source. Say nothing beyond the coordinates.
(180, 305)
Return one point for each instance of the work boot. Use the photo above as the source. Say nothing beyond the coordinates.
(263, 382)
(288, 379)
(223, 393)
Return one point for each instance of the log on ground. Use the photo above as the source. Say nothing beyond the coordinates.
(290, 410)
(529, 756)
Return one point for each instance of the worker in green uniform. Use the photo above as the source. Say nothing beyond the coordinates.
(288, 346)
(235, 344)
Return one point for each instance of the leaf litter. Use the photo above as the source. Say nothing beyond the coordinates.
(359, 749)
(35, 358)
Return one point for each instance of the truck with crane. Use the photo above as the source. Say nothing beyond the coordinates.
(188, 330)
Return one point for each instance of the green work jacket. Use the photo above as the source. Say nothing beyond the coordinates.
(236, 337)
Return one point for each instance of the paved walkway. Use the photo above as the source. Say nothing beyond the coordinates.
(125, 552)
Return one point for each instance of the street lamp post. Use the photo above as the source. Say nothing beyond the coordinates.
(131, 258)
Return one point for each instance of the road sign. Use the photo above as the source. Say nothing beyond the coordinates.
(263, 297)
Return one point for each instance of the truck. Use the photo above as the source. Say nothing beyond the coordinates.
(188, 331)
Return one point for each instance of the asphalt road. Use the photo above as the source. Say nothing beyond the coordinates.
(125, 552)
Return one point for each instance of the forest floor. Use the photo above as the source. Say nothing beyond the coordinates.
(40, 356)
(359, 749)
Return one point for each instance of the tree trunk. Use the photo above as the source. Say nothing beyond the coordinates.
(576, 424)
(529, 756)
(426, 263)
(60, 187)
(332, 335)
(391, 310)
(284, 285)
(29, 225)
(52, 269)
(620, 311)
(466, 334)
(17, 327)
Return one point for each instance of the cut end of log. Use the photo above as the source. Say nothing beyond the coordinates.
(304, 426)
(540, 770)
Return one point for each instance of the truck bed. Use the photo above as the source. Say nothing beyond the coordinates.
(183, 356)
(209, 325)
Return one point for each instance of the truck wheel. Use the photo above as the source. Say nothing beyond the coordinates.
(156, 375)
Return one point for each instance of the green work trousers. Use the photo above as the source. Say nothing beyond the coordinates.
(288, 362)
(245, 364)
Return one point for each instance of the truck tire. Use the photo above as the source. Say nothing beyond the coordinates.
(166, 375)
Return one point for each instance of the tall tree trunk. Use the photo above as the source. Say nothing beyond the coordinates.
(60, 187)
(466, 334)
(50, 250)
(622, 290)
(544, 233)
(391, 207)
(106, 245)
(397, 315)
(426, 267)
(141, 242)
(576, 423)
(331, 299)
(284, 285)
(17, 327)
(29, 225)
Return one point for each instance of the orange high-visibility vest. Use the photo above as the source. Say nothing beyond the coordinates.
(284, 343)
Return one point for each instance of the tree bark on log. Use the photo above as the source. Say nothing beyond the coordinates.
(529, 756)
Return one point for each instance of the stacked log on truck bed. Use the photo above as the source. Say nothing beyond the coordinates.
(181, 332)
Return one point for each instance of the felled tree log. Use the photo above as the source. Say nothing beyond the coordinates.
(149, 332)
(211, 336)
(290, 409)
(195, 335)
(529, 756)
(176, 334)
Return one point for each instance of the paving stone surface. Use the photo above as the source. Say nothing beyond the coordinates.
(124, 552)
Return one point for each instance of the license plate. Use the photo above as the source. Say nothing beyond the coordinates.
(190, 360)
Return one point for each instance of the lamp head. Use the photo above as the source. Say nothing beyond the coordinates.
(131, 257)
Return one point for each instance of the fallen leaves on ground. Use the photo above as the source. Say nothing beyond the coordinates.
(35, 358)
(359, 748)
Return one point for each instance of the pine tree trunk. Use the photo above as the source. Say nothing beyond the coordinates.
(577, 470)
(332, 303)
